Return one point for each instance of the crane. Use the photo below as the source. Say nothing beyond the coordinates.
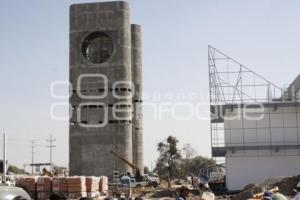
(151, 181)
(134, 167)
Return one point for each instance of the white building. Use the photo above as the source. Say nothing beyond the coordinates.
(255, 124)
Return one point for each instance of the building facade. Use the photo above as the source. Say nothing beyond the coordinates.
(101, 74)
(264, 144)
(255, 125)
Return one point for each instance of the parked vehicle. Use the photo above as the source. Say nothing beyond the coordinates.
(13, 193)
(131, 182)
(215, 176)
(155, 180)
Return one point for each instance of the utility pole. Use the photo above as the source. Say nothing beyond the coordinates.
(50, 146)
(32, 154)
(4, 158)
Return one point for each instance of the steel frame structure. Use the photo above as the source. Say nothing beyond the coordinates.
(232, 84)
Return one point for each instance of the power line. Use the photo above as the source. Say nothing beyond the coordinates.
(51, 146)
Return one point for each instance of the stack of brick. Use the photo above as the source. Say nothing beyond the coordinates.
(92, 186)
(60, 185)
(103, 186)
(76, 187)
(28, 183)
(44, 187)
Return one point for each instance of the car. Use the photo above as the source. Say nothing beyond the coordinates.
(153, 179)
(131, 182)
(13, 193)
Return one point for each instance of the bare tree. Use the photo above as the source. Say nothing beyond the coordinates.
(188, 152)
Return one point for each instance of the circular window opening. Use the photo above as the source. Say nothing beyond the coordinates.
(97, 47)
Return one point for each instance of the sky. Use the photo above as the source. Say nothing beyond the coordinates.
(264, 35)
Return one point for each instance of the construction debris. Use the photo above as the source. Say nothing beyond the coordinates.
(286, 185)
(248, 192)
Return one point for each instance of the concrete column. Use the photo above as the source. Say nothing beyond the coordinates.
(137, 121)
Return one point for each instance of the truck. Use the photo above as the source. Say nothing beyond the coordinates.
(214, 175)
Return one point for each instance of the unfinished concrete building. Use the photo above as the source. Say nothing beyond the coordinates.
(105, 72)
(254, 123)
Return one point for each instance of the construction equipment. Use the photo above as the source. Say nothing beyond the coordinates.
(215, 176)
(134, 167)
(138, 179)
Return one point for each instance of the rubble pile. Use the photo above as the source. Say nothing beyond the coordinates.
(248, 192)
(271, 181)
(286, 185)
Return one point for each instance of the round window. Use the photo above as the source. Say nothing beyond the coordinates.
(97, 47)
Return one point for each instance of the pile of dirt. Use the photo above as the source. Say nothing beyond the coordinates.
(286, 185)
(248, 192)
(269, 182)
(162, 194)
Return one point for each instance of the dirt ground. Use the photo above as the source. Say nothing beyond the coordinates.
(286, 186)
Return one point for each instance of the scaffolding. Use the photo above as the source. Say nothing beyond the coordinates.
(232, 84)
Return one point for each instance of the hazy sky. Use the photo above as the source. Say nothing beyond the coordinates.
(262, 34)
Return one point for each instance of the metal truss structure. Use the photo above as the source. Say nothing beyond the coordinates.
(232, 84)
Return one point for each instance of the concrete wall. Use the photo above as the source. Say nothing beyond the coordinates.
(268, 146)
(90, 146)
(241, 171)
(137, 120)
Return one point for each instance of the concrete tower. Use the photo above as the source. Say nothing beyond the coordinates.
(136, 73)
(101, 101)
